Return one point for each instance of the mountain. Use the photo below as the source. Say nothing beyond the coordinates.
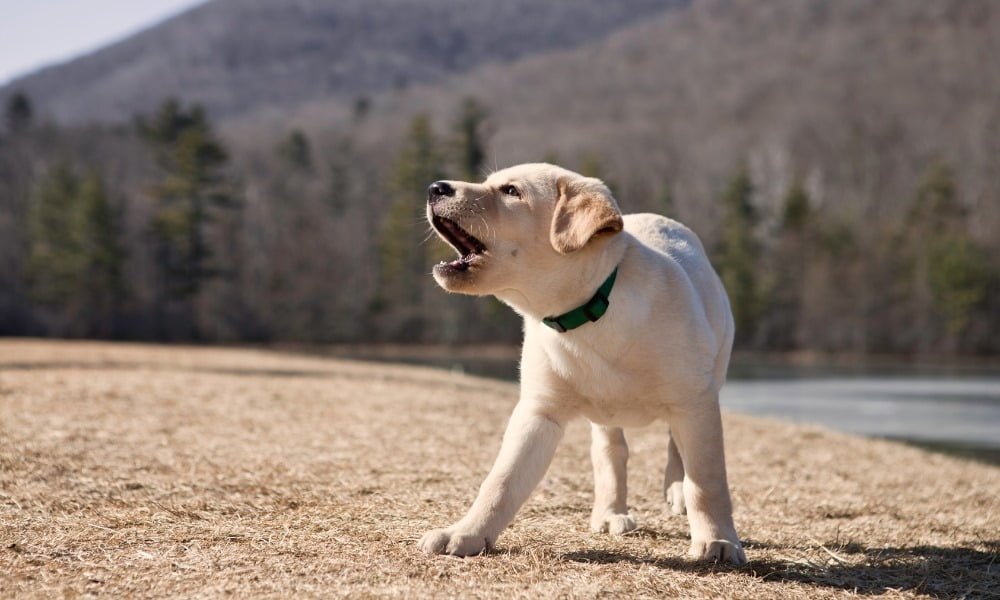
(235, 56)
(873, 123)
(857, 96)
(877, 110)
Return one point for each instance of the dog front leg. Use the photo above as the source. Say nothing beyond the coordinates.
(525, 453)
(609, 453)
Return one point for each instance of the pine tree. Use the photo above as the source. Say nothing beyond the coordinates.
(296, 151)
(959, 277)
(795, 211)
(340, 178)
(936, 208)
(404, 258)
(189, 201)
(738, 253)
(102, 285)
(193, 187)
(951, 274)
(469, 144)
(469, 156)
(169, 122)
(779, 287)
(362, 106)
(75, 264)
(55, 258)
(19, 113)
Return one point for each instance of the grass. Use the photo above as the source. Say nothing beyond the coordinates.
(175, 471)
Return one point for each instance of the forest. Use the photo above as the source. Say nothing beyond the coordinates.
(840, 161)
(160, 230)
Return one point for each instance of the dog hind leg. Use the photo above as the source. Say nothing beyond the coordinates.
(706, 492)
(673, 478)
(609, 454)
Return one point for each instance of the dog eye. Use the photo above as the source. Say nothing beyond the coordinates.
(510, 191)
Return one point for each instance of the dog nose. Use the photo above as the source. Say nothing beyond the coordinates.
(439, 189)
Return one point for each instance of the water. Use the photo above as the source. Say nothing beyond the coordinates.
(947, 410)
(955, 407)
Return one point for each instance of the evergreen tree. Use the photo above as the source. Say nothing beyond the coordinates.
(340, 178)
(959, 276)
(795, 212)
(936, 209)
(103, 256)
(189, 201)
(780, 287)
(296, 151)
(950, 274)
(75, 264)
(166, 126)
(19, 113)
(54, 260)
(469, 145)
(404, 258)
(738, 253)
(362, 106)
(192, 187)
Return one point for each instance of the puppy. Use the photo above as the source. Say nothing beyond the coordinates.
(625, 322)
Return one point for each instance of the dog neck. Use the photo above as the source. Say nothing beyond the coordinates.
(569, 285)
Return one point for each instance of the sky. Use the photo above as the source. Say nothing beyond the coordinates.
(37, 33)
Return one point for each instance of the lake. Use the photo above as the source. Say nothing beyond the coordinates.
(924, 404)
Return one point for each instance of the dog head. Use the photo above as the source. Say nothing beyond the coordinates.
(520, 228)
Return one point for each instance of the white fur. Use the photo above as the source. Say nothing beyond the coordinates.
(660, 352)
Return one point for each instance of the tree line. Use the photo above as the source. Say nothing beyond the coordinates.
(164, 230)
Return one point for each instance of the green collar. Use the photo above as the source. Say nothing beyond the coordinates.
(593, 310)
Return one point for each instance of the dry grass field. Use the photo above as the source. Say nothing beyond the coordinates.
(130, 470)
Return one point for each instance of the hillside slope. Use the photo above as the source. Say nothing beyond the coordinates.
(884, 111)
(235, 55)
(171, 471)
(857, 96)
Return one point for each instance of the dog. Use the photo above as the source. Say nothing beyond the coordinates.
(625, 322)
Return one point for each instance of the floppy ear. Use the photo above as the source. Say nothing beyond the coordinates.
(585, 208)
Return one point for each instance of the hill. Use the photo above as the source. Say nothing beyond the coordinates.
(847, 94)
(863, 105)
(173, 471)
(237, 55)
(840, 161)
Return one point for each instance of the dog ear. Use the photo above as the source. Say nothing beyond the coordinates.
(585, 208)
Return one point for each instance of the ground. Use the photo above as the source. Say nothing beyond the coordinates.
(133, 470)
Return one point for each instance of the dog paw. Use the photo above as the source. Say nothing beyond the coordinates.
(613, 523)
(720, 551)
(454, 542)
(675, 498)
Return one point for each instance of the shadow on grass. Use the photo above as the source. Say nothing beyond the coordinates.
(942, 572)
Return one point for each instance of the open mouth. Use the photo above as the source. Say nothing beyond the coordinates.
(468, 247)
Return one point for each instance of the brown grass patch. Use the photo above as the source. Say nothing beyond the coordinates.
(155, 471)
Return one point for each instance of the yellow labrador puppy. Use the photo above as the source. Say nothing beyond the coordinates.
(625, 322)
